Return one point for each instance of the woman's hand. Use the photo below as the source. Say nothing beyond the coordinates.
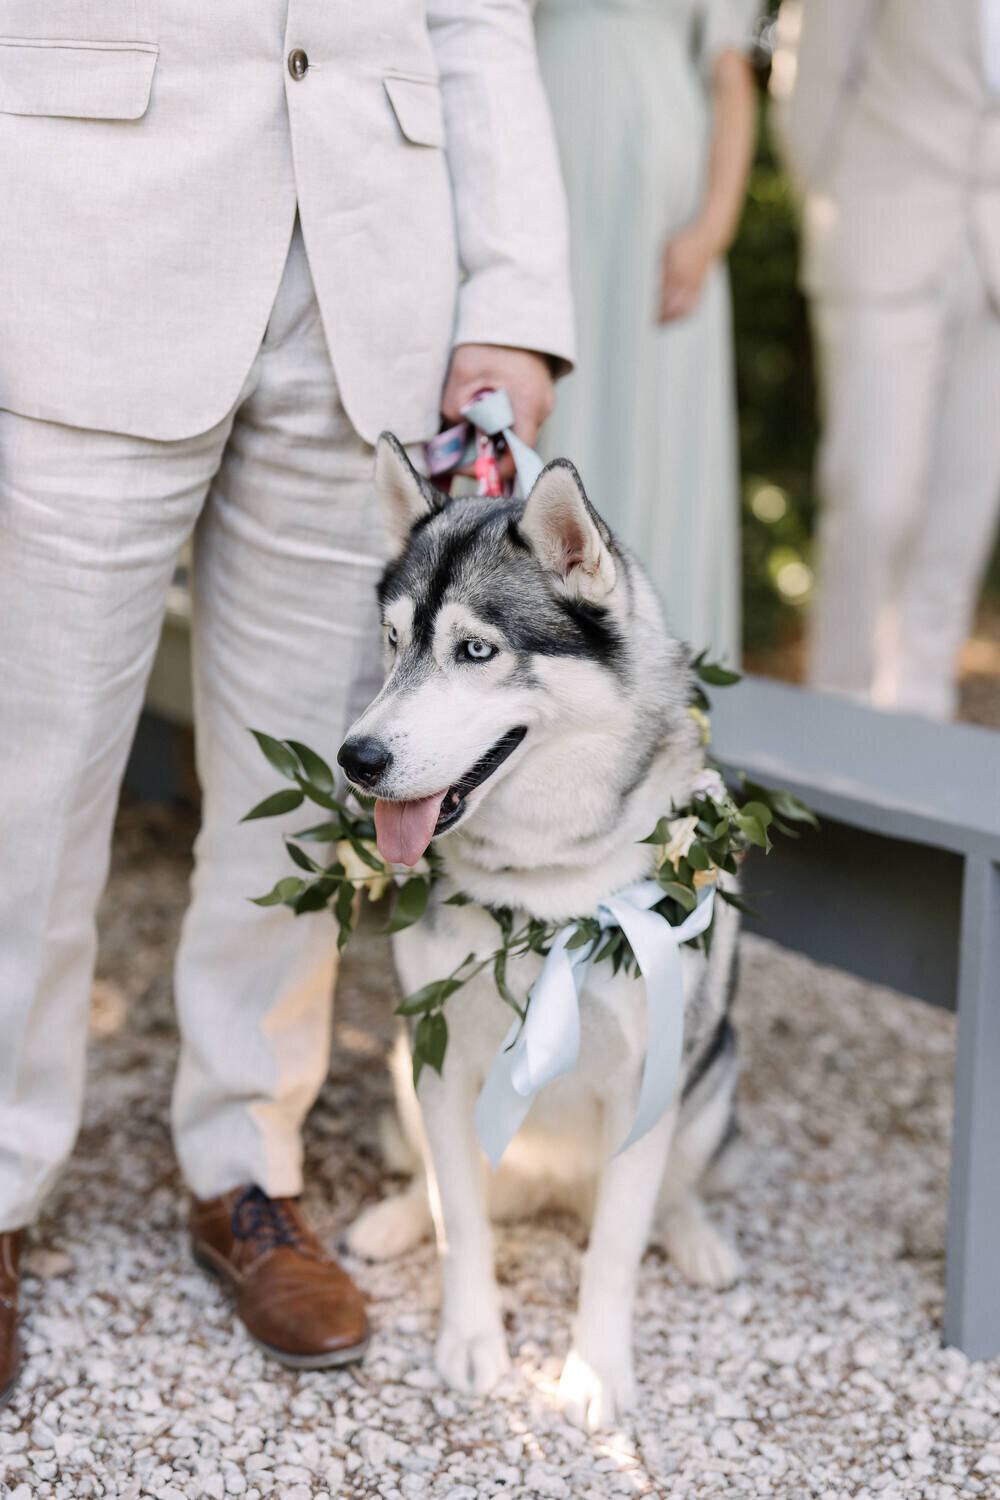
(687, 257)
(685, 261)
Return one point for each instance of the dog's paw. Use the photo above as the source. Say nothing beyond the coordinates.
(595, 1394)
(703, 1256)
(390, 1228)
(472, 1363)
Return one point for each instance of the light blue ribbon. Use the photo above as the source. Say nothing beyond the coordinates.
(547, 1045)
(493, 413)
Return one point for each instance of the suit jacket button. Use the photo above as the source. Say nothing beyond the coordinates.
(298, 63)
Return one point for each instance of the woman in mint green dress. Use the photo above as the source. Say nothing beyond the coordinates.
(653, 105)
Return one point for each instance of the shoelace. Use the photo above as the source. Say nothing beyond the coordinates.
(257, 1217)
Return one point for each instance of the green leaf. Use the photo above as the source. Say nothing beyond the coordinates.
(429, 997)
(682, 894)
(431, 1040)
(278, 754)
(322, 799)
(697, 858)
(579, 938)
(343, 910)
(753, 829)
(283, 893)
(607, 948)
(273, 806)
(316, 895)
(302, 859)
(792, 808)
(411, 903)
(500, 979)
(321, 833)
(373, 861)
(660, 834)
(316, 769)
(758, 810)
(458, 899)
(504, 918)
(716, 675)
(734, 900)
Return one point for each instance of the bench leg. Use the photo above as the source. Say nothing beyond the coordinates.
(972, 1293)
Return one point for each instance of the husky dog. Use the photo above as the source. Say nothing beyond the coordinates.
(536, 712)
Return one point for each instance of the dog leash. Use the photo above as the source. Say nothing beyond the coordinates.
(547, 1044)
(488, 416)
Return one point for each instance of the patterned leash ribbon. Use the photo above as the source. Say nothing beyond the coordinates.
(488, 416)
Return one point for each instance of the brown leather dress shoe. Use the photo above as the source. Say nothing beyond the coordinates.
(10, 1344)
(295, 1301)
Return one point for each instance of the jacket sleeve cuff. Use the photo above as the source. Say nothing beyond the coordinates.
(497, 309)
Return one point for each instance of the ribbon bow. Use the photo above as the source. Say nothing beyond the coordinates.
(547, 1044)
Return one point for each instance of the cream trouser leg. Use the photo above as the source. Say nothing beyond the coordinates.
(909, 479)
(287, 554)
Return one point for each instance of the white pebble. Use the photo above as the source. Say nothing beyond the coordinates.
(920, 1442)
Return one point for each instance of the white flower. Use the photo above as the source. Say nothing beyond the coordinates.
(682, 831)
(708, 783)
(375, 882)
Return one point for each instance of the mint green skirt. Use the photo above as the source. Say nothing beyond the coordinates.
(649, 414)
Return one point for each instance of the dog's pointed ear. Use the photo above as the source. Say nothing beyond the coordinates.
(567, 535)
(404, 496)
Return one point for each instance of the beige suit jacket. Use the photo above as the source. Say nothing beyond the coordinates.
(152, 153)
(892, 135)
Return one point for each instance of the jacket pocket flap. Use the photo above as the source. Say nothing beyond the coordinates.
(416, 103)
(84, 80)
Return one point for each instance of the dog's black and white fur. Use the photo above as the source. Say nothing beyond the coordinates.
(580, 660)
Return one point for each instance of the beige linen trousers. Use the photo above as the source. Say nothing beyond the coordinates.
(162, 374)
(287, 554)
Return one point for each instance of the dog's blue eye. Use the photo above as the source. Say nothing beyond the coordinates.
(392, 635)
(477, 650)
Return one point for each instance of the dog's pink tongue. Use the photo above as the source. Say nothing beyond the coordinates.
(404, 829)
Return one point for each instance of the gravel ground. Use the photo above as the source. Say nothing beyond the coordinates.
(820, 1374)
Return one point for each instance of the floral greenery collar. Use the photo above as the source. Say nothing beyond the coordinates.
(695, 846)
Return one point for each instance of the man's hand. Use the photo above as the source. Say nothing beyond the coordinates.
(524, 375)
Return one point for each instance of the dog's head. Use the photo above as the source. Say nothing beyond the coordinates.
(503, 624)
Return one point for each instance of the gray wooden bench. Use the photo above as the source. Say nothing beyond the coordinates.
(902, 886)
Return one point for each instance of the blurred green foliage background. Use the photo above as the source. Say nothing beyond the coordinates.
(777, 406)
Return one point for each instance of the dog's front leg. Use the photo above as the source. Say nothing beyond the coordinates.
(597, 1384)
(471, 1350)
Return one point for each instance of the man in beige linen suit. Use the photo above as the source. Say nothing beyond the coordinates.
(238, 239)
(892, 130)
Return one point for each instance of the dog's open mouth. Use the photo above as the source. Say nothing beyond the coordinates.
(405, 829)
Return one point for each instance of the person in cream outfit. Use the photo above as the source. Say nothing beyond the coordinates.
(238, 241)
(892, 130)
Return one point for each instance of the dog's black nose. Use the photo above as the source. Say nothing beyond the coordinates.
(364, 759)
